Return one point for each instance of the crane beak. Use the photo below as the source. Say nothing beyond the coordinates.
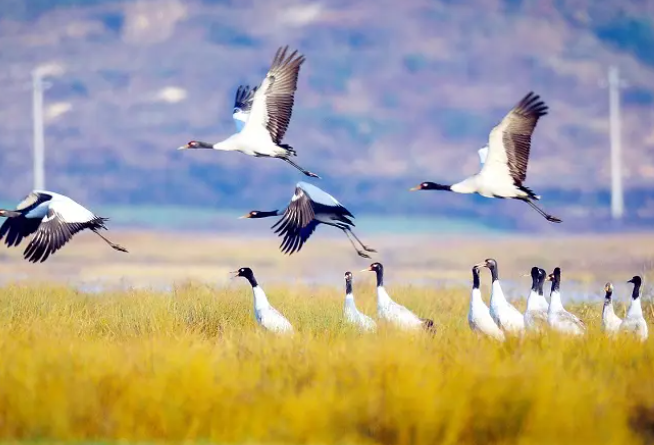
(527, 275)
(244, 216)
(417, 187)
(366, 270)
(483, 264)
(183, 147)
(234, 274)
(550, 277)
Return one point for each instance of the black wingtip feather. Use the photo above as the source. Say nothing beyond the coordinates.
(532, 104)
(51, 238)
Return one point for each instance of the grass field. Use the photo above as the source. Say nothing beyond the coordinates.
(191, 366)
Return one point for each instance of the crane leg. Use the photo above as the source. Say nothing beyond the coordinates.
(113, 245)
(366, 248)
(361, 253)
(306, 172)
(544, 214)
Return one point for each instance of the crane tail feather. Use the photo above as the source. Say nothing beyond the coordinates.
(290, 150)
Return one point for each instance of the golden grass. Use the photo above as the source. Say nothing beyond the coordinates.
(192, 366)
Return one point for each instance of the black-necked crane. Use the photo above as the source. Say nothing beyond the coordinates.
(310, 206)
(269, 116)
(53, 219)
(505, 159)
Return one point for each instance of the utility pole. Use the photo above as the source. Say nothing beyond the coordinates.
(37, 121)
(614, 85)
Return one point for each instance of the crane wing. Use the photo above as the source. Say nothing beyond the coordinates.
(33, 200)
(298, 214)
(243, 105)
(57, 228)
(510, 141)
(272, 104)
(295, 239)
(483, 154)
(13, 230)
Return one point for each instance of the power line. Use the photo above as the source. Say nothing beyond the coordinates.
(615, 126)
(614, 84)
(37, 122)
(39, 85)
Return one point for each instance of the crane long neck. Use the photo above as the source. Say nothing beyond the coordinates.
(380, 277)
(475, 278)
(555, 295)
(636, 292)
(260, 298)
(270, 213)
(251, 280)
(635, 308)
(497, 295)
(348, 287)
(534, 283)
(475, 298)
(494, 273)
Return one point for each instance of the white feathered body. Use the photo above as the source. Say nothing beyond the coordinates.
(252, 143)
(267, 316)
(394, 313)
(353, 316)
(479, 317)
(255, 139)
(327, 202)
(634, 322)
(561, 320)
(536, 313)
(507, 317)
(610, 321)
(69, 210)
(494, 180)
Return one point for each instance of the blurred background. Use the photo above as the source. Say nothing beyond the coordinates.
(393, 93)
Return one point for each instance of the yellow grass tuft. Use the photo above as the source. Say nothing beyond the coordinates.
(191, 365)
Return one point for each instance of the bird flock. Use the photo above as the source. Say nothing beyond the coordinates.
(502, 318)
(388, 310)
(496, 321)
(261, 115)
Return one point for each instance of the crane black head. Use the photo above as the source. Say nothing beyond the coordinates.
(555, 275)
(195, 144)
(555, 278)
(475, 276)
(379, 270)
(491, 264)
(246, 273)
(608, 290)
(254, 214)
(374, 267)
(637, 282)
(348, 282)
(535, 275)
(431, 186)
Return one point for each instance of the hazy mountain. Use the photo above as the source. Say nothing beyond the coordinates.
(393, 93)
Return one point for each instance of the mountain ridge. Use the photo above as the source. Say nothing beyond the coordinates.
(392, 94)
